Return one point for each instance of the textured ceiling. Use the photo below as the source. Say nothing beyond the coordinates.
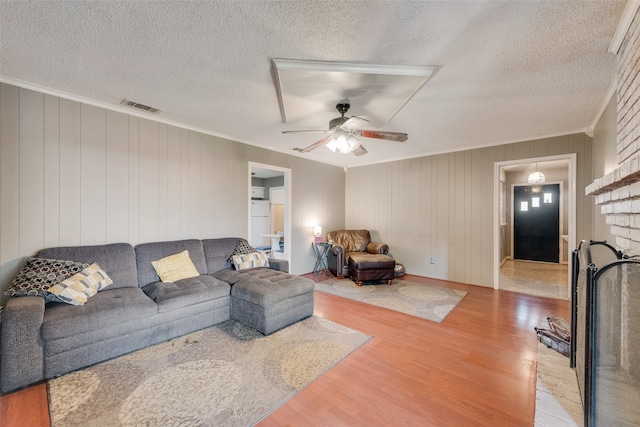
(507, 71)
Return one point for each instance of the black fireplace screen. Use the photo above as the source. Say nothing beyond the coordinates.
(606, 331)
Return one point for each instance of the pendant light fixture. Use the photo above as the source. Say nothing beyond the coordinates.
(536, 177)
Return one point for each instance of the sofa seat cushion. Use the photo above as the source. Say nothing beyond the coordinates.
(264, 286)
(185, 292)
(106, 308)
(367, 261)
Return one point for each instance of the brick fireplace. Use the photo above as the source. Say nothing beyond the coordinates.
(618, 192)
(607, 337)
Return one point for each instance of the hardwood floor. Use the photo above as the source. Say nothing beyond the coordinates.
(28, 408)
(477, 367)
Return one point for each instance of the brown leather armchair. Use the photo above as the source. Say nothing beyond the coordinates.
(354, 254)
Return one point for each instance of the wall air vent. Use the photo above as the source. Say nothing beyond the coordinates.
(133, 104)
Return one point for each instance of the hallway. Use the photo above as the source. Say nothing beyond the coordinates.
(535, 278)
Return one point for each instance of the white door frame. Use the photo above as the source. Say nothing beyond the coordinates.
(287, 205)
(572, 158)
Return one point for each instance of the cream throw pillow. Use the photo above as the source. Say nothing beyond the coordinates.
(77, 289)
(175, 267)
(252, 260)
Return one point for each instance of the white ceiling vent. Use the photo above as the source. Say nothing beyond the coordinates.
(133, 104)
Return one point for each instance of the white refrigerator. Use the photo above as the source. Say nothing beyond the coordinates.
(260, 223)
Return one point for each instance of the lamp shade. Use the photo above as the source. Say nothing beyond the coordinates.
(317, 233)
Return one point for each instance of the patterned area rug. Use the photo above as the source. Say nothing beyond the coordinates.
(417, 299)
(227, 375)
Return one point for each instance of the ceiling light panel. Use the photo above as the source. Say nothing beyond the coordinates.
(309, 90)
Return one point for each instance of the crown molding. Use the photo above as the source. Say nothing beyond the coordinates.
(488, 145)
(149, 116)
(624, 24)
(611, 91)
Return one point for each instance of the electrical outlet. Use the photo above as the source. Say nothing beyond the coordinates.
(432, 260)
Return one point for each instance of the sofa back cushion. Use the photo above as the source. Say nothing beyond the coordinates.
(117, 260)
(350, 240)
(148, 252)
(218, 251)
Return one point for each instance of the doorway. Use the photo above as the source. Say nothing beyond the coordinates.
(536, 222)
(536, 269)
(269, 201)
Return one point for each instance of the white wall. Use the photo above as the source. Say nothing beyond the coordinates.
(74, 174)
(442, 206)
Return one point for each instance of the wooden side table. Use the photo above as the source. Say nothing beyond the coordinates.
(321, 250)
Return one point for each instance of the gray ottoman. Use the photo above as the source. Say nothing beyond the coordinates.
(268, 300)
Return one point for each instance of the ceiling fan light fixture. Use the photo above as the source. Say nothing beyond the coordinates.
(343, 143)
(342, 134)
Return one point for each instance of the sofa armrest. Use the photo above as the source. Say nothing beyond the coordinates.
(22, 361)
(378, 248)
(279, 264)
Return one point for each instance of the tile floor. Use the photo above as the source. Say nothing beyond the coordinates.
(536, 278)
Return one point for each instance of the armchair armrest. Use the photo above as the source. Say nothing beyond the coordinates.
(22, 361)
(336, 260)
(378, 248)
(337, 250)
(279, 264)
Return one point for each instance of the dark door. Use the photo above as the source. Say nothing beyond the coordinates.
(536, 222)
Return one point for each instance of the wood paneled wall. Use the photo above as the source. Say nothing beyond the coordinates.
(442, 206)
(75, 174)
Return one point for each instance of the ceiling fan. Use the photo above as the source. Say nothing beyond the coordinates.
(342, 134)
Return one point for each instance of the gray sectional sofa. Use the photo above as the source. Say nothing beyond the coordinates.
(42, 341)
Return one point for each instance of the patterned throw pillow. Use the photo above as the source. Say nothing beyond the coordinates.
(241, 248)
(175, 267)
(252, 260)
(77, 289)
(40, 274)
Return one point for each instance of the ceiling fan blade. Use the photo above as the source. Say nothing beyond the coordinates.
(351, 121)
(391, 136)
(314, 145)
(306, 131)
(360, 151)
